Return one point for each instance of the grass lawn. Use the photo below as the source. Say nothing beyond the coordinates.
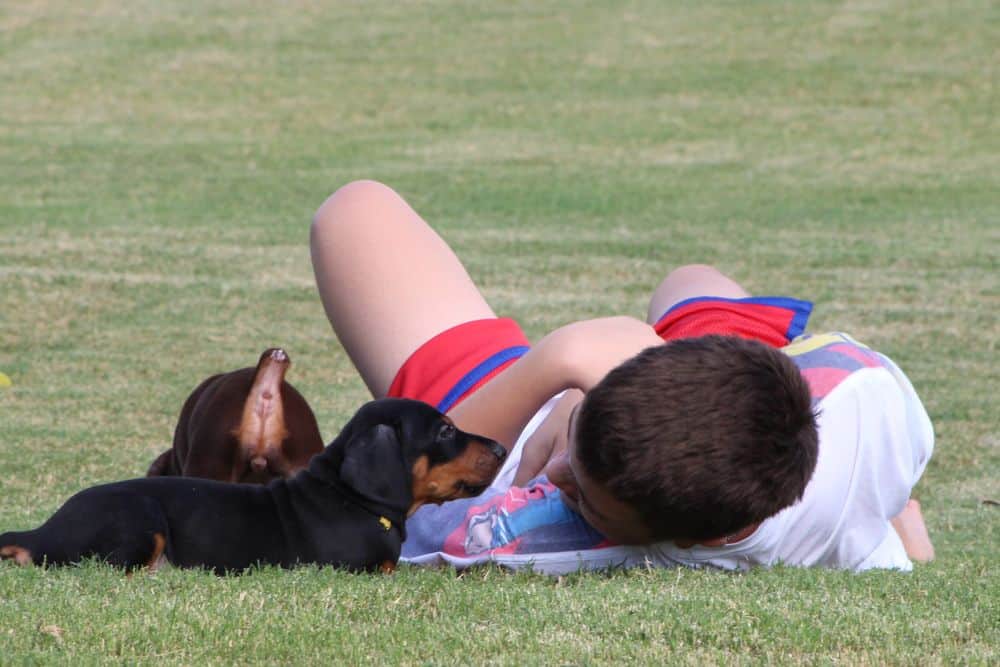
(159, 164)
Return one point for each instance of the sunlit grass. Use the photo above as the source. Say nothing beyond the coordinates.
(159, 163)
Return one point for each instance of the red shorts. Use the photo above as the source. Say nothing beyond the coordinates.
(449, 367)
(774, 320)
(457, 361)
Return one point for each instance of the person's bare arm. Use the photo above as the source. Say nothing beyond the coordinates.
(577, 355)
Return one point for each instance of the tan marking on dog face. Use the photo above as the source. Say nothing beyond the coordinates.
(465, 476)
(19, 555)
(420, 469)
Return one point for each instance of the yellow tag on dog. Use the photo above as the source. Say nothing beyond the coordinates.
(385, 522)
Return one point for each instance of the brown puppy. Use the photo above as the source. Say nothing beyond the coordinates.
(248, 425)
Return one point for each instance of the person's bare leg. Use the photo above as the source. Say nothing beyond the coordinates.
(388, 282)
(690, 281)
(912, 531)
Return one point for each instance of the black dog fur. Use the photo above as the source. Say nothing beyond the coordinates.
(347, 509)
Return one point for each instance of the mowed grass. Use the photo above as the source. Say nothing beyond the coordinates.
(159, 164)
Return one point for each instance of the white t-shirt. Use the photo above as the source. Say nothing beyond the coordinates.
(875, 443)
(875, 440)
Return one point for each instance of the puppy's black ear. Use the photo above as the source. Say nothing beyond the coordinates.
(373, 466)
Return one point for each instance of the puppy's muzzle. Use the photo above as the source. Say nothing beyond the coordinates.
(496, 448)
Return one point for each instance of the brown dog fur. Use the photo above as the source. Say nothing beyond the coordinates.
(248, 426)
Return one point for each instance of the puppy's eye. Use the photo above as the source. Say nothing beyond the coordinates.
(447, 432)
(468, 490)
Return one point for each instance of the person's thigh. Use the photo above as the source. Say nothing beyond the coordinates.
(388, 282)
(688, 282)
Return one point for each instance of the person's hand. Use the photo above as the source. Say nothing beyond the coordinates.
(548, 440)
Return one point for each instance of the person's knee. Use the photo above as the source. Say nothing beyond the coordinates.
(348, 205)
(689, 273)
(689, 281)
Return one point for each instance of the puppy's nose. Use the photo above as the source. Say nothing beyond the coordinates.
(497, 449)
(258, 463)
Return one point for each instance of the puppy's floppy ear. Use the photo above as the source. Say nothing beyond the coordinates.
(373, 467)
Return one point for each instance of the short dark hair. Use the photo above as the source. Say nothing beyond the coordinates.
(701, 436)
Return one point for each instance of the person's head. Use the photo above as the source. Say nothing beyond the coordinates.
(692, 440)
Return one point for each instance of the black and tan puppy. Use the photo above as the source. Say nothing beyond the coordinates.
(248, 425)
(348, 508)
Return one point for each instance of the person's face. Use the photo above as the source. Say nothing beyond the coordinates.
(613, 518)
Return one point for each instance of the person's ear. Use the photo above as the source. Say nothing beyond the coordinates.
(374, 468)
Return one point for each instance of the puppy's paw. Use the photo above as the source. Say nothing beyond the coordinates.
(19, 555)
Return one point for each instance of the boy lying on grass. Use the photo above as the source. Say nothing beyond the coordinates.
(730, 445)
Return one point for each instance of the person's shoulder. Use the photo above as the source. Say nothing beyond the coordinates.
(835, 349)
(836, 364)
(827, 360)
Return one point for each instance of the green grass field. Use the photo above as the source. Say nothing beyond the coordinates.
(159, 164)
